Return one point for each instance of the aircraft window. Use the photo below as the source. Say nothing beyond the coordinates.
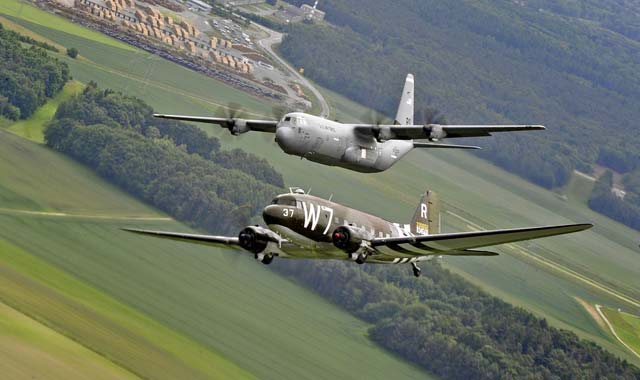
(284, 202)
(288, 118)
(298, 204)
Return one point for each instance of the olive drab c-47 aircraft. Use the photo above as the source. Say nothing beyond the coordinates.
(364, 148)
(300, 225)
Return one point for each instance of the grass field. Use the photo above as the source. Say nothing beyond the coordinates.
(158, 310)
(28, 12)
(475, 191)
(31, 128)
(31, 350)
(127, 338)
(28, 170)
(579, 188)
(626, 325)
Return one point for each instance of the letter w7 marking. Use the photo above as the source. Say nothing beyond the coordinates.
(312, 216)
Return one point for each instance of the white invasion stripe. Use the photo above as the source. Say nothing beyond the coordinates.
(395, 261)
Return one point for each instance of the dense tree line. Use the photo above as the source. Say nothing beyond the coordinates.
(114, 109)
(113, 134)
(491, 62)
(28, 75)
(452, 328)
(29, 40)
(497, 62)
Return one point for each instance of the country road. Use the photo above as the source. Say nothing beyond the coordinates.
(275, 38)
(613, 331)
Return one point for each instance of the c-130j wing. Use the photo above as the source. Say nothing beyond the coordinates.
(360, 147)
(300, 225)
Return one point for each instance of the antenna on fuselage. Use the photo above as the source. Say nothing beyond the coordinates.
(309, 191)
(330, 197)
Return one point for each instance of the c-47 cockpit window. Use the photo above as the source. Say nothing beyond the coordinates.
(284, 202)
(288, 118)
(288, 202)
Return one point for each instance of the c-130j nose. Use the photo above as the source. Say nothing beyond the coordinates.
(286, 139)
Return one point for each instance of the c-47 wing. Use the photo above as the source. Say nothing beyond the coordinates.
(235, 125)
(438, 131)
(459, 242)
(216, 241)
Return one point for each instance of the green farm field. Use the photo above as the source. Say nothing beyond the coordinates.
(626, 325)
(31, 128)
(599, 266)
(157, 310)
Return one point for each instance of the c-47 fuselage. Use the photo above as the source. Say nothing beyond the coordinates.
(300, 225)
(309, 223)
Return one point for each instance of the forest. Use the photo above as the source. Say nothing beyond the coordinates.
(452, 328)
(171, 165)
(28, 75)
(570, 66)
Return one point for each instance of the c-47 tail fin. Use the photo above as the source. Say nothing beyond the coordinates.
(405, 108)
(426, 219)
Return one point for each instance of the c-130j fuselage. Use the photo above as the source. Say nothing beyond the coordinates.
(360, 147)
(331, 143)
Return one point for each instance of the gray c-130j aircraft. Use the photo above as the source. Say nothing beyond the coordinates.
(365, 148)
(303, 226)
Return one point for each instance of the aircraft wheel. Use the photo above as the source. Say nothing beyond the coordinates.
(267, 259)
(416, 269)
(361, 258)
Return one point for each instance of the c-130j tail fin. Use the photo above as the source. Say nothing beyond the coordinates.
(426, 219)
(405, 108)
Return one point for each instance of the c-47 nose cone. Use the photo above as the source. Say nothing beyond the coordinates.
(271, 214)
(285, 137)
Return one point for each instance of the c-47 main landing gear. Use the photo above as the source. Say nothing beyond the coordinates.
(359, 258)
(416, 269)
(265, 258)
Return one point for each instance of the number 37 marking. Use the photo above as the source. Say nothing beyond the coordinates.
(288, 212)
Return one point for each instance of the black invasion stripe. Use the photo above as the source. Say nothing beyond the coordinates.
(422, 246)
(397, 248)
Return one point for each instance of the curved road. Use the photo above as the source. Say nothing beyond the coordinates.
(276, 37)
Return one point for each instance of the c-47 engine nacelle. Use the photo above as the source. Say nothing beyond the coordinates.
(349, 238)
(255, 238)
